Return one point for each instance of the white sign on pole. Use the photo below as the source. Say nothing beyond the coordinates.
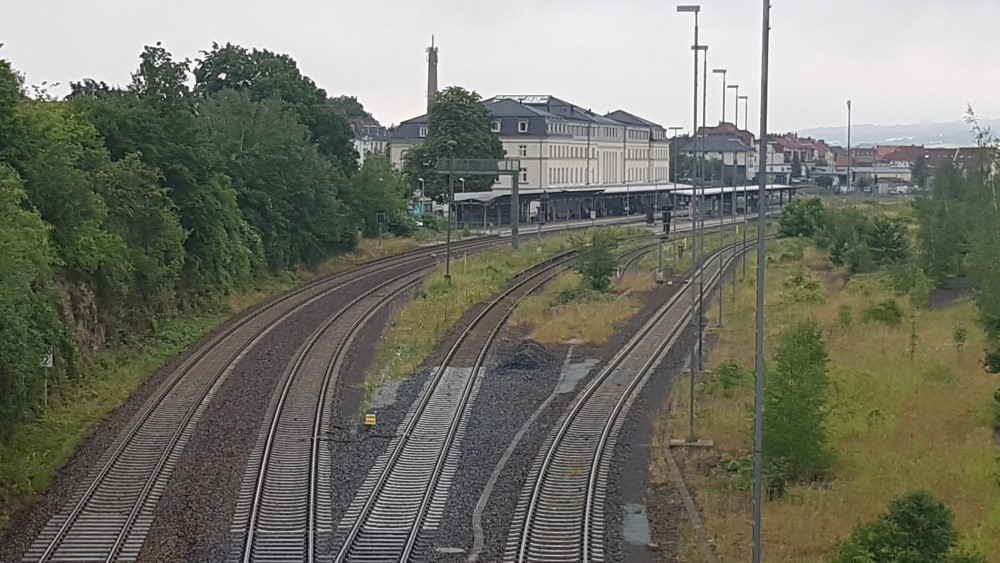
(593, 214)
(47, 361)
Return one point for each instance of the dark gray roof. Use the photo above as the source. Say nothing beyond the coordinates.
(623, 116)
(536, 109)
(717, 143)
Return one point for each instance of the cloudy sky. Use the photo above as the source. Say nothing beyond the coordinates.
(900, 61)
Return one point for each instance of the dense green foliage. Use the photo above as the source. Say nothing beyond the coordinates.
(460, 116)
(794, 408)
(917, 528)
(595, 259)
(856, 241)
(802, 217)
(122, 206)
(960, 231)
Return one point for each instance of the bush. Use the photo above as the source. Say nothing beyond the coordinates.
(595, 259)
(886, 311)
(795, 408)
(802, 217)
(845, 316)
(996, 410)
(917, 528)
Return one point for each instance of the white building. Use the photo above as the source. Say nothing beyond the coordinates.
(564, 145)
(369, 138)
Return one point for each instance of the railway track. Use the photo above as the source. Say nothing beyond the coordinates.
(405, 493)
(560, 515)
(286, 486)
(108, 518)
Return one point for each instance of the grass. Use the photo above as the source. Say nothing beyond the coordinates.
(38, 447)
(896, 424)
(589, 317)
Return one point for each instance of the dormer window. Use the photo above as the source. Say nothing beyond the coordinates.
(496, 126)
(423, 132)
(522, 126)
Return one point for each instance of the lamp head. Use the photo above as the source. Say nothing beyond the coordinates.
(719, 71)
(733, 86)
(694, 8)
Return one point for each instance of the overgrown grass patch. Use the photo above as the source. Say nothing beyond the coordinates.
(896, 425)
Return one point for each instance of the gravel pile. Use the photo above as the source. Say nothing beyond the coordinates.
(528, 357)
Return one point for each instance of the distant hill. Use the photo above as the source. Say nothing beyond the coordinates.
(953, 134)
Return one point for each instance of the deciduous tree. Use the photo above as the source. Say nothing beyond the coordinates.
(455, 115)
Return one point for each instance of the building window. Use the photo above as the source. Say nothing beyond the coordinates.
(423, 132)
(524, 175)
(522, 126)
(496, 126)
(522, 150)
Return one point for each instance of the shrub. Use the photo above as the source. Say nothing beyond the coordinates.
(918, 527)
(845, 316)
(795, 407)
(595, 259)
(996, 410)
(802, 217)
(886, 311)
(958, 336)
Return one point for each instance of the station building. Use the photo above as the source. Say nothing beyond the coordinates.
(562, 145)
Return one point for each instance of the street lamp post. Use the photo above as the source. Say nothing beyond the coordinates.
(849, 183)
(722, 71)
(732, 201)
(695, 9)
(758, 403)
(746, 198)
(701, 228)
(451, 199)
(673, 198)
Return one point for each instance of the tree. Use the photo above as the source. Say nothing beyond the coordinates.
(160, 77)
(377, 189)
(595, 259)
(919, 171)
(263, 75)
(349, 106)
(945, 228)
(794, 406)
(796, 166)
(287, 190)
(917, 528)
(887, 240)
(10, 96)
(455, 115)
(28, 301)
(802, 217)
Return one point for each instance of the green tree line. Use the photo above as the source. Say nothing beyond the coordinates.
(120, 206)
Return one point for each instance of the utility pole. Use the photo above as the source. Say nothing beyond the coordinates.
(451, 201)
(849, 182)
(692, 436)
(758, 402)
(701, 230)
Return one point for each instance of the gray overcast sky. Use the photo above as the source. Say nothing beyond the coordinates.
(901, 61)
